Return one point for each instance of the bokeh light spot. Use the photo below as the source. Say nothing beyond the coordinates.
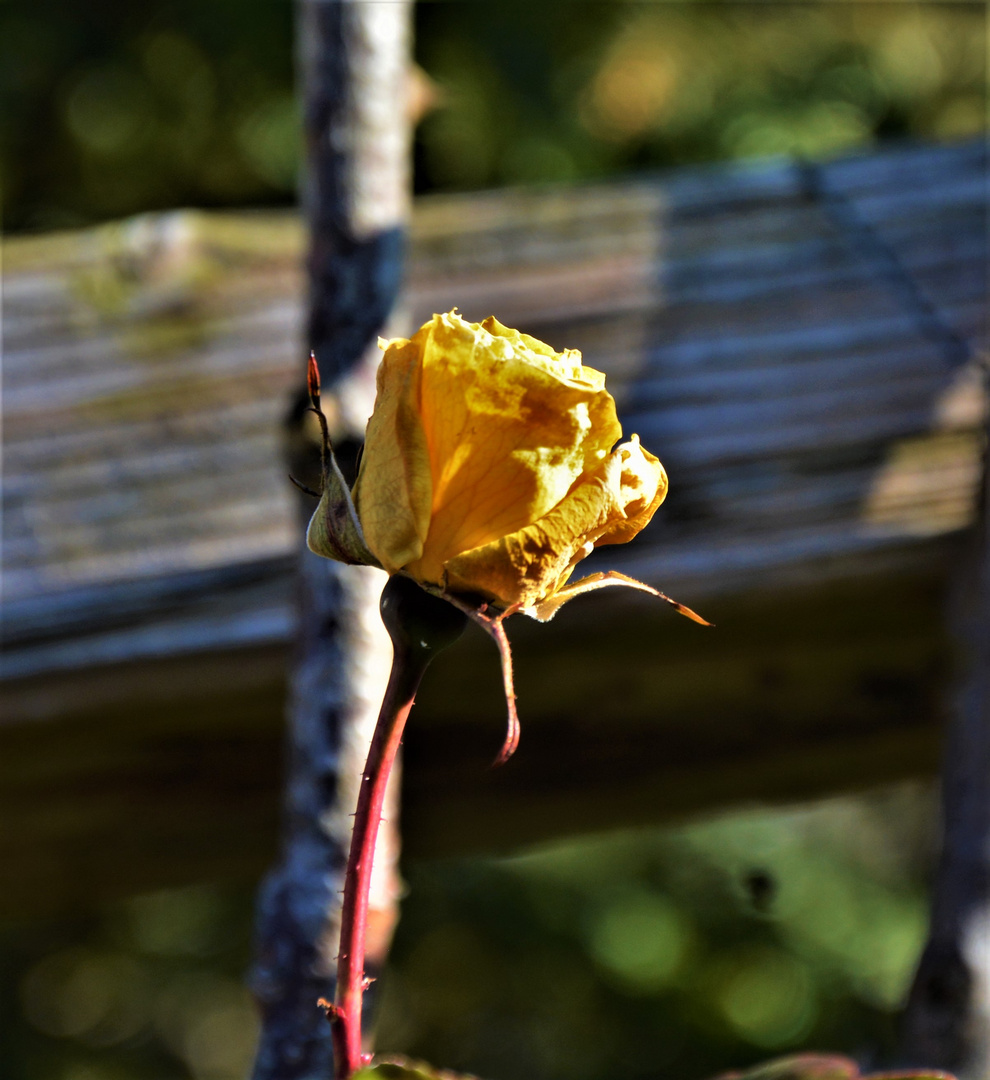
(641, 938)
(219, 1042)
(767, 997)
(632, 91)
(100, 998)
(108, 111)
(270, 139)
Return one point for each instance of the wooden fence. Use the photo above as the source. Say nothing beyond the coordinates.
(800, 344)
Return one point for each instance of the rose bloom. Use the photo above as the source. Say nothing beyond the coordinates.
(490, 466)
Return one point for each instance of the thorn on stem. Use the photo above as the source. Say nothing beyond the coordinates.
(333, 1012)
(306, 490)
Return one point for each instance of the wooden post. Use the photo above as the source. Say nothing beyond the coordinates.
(354, 61)
(947, 1020)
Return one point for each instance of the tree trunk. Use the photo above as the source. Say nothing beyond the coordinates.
(354, 61)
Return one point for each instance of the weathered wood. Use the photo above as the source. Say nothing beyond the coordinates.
(820, 426)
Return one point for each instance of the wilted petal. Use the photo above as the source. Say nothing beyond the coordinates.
(526, 565)
(510, 426)
(532, 564)
(643, 487)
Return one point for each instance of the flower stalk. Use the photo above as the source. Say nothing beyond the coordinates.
(420, 626)
(492, 467)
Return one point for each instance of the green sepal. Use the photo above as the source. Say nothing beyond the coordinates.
(334, 529)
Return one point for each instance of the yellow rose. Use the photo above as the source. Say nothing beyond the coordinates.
(489, 470)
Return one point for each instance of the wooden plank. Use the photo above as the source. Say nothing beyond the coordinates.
(520, 217)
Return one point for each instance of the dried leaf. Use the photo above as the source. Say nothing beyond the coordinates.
(546, 610)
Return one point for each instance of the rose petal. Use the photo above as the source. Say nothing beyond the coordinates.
(510, 428)
(643, 488)
(394, 489)
(531, 564)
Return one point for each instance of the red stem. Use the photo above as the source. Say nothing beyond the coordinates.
(407, 671)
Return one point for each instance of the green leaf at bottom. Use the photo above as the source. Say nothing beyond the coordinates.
(400, 1069)
(825, 1067)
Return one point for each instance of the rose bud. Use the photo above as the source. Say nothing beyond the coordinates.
(490, 469)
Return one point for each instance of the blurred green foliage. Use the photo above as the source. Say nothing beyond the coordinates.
(561, 91)
(148, 989)
(112, 108)
(671, 954)
(667, 953)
